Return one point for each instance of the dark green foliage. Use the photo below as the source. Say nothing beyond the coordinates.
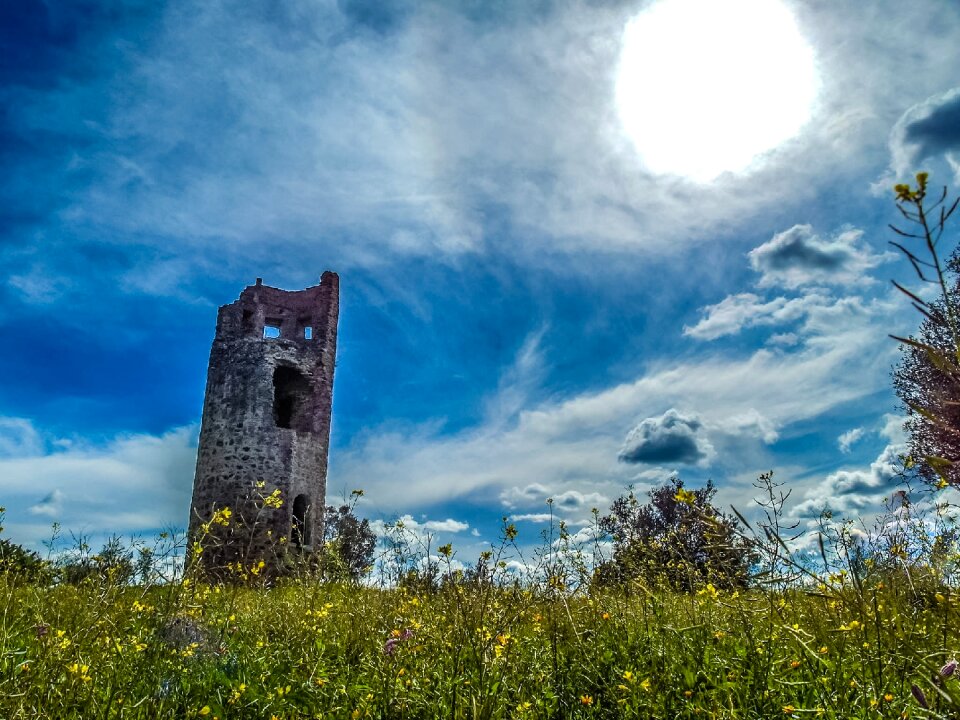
(114, 563)
(348, 544)
(679, 538)
(17, 561)
(20, 564)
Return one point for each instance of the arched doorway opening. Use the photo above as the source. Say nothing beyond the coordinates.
(300, 525)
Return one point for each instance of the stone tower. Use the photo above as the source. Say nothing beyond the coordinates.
(266, 425)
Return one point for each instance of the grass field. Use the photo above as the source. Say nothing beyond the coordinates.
(850, 647)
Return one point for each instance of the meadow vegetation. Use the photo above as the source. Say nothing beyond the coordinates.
(872, 636)
(664, 609)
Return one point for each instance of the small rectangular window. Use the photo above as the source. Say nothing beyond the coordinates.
(308, 333)
(271, 331)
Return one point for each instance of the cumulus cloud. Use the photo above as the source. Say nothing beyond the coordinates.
(798, 256)
(449, 525)
(670, 438)
(893, 429)
(848, 492)
(927, 130)
(849, 438)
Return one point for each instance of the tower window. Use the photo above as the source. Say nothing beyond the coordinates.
(271, 328)
(300, 526)
(308, 333)
(291, 394)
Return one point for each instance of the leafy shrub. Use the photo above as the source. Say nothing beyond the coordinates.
(678, 539)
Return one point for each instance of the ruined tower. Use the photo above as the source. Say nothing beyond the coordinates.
(266, 426)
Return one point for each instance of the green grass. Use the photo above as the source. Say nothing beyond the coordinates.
(307, 649)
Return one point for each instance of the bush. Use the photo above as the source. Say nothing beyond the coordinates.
(678, 539)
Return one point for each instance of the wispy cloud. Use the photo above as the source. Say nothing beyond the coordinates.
(744, 310)
(847, 439)
(131, 485)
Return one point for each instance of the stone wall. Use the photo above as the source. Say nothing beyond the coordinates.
(266, 423)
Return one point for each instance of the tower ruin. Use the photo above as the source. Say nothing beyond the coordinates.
(266, 427)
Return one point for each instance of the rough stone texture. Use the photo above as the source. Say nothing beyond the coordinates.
(266, 419)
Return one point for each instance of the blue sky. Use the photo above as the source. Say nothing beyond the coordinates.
(528, 311)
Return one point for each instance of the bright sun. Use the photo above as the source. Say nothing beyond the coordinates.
(705, 86)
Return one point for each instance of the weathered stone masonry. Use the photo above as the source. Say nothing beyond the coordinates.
(266, 419)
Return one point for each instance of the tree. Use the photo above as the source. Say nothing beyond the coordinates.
(930, 393)
(21, 564)
(348, 543)
(18, 563)
(679, 539)
(927, 379)
(113, 564)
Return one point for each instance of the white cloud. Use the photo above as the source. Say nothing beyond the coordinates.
(893, 429)
(851, 492)
(449, 525)
(50, 506)
(389, 139)
(536, 495)
(798, 256)
(744, 310)
(133, 484)
(670, 438)
(849, 438)
(572, 444)
(784, 339)
(533, 517)
(39, 286)
(420, 528)
(19, 438)
(751, 422)
(926, 131)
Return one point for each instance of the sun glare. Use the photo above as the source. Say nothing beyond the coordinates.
(704, 87)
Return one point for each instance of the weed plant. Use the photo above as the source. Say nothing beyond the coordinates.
(871, 635)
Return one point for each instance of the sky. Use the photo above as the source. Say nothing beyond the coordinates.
(583, 246)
